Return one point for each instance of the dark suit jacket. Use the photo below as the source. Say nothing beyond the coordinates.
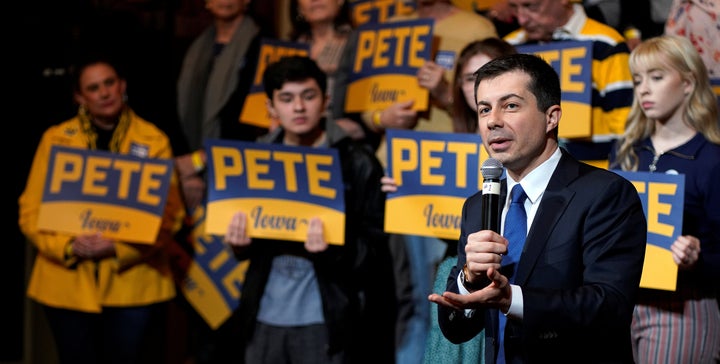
(579, 272)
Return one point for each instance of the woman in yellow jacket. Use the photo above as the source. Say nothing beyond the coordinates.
(100, 295)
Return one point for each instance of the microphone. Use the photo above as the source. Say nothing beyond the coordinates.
(491, 170)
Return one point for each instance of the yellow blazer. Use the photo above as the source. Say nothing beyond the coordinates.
(139, 274)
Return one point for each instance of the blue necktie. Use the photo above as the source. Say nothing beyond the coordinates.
(515, 232)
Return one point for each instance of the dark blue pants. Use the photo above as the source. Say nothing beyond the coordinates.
(117, 335)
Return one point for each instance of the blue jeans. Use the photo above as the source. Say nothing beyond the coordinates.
(424, 255)
(116, 335)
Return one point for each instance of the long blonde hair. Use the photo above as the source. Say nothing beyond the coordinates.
(701, 109)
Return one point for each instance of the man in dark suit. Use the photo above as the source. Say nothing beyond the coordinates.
(570, 296)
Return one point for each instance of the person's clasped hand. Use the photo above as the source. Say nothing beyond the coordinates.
(685, 251)
(400, 115)
(431, 76)
(388, 184)
(236, 235)
(93, 246)
(315, 242)
(483, 251)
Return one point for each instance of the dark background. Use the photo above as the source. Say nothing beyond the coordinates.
(148, 37)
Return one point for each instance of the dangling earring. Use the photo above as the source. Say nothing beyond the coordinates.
(299, 17)
(82, 110)
(124, 98)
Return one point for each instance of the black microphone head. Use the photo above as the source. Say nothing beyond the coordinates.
(491, 169)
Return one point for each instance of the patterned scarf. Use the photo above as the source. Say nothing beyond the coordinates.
(118, 134)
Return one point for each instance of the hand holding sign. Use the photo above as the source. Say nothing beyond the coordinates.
(236, 235)
(387, 59)
(315, 242)
(431, 77)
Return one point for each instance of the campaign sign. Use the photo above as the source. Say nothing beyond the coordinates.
(378, 11)
(663, 198)
(435, 173)
(212, 279)
(572, 60)
(119, 195)
(280, 188)
(387, 59)
(254, 111)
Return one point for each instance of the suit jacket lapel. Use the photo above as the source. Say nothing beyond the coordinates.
(554, 203)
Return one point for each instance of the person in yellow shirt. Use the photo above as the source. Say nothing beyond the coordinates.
(547, 21)
(100, 296)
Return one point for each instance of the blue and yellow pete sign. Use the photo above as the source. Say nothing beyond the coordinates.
(213, 278)
(121, 196)
(279, 187)
(572, 60)
(379, 11)
(663, 198)
(387, 59)
(254, 111)
(435, 173)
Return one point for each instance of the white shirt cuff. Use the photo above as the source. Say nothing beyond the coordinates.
(462, 290)
(516, 304)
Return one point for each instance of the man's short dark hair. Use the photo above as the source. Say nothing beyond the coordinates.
(292, 69)
(544, 81)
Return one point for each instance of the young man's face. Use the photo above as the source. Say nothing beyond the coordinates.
(513, 130)
(298, 106)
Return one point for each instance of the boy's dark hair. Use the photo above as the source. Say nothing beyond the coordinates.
(292, 69)
(544, 81)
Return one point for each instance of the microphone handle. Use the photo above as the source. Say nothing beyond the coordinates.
(490, 205)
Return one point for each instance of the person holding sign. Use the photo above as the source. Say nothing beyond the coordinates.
(453, 28)
(559, 284)
(326, 26)
(313, 302)
(216, 75)
(673, 128)
(543, 21)
(101, 296)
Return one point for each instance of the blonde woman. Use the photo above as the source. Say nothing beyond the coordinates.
(673, 128)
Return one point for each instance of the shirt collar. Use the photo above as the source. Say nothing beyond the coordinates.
(537, 180)
(574, 25)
